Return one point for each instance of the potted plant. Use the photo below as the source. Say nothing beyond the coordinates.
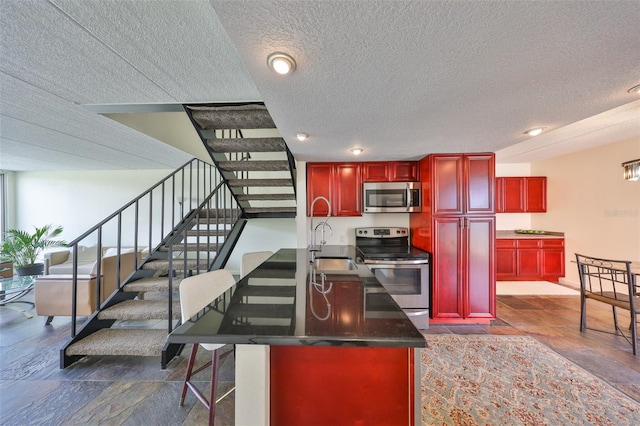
(23, 248)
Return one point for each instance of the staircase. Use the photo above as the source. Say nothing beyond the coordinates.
(253, 159)
(194, 218)
(136, 319)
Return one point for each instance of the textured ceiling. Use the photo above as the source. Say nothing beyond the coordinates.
(399, 78)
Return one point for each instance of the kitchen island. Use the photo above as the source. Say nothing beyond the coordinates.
(314, 346)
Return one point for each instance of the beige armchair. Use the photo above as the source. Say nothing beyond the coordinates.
(53, 293)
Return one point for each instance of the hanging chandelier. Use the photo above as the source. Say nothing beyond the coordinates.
(631, 170)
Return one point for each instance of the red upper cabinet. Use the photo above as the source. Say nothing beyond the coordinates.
(347, 198)
(521, 194)
(340, 183)
(462, 184)
(404, 171)
(375, 172)
(390, 171)
(536, 194)
(479, 183)
(319, 184)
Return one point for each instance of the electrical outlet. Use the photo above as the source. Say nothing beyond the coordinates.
(342, 239)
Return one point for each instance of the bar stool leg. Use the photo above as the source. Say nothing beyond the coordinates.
(192, 359)
(214, 384)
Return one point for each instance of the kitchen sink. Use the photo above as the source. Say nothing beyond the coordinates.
(334, 264)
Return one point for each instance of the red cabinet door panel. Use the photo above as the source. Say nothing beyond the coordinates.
(480, 184)
(536, 193)
(480, 274)
(448, 255)
(513, 195)
(506, 263)
(319, 183)
(348, 194)
(529, 262)
(377, 171)
(446, 184)
(404, 171)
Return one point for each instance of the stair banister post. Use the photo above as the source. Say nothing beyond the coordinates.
(74, 290)
(99, 271)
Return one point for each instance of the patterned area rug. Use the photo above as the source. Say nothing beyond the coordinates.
(513, 380)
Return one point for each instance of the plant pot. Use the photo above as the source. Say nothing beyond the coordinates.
(35, 269)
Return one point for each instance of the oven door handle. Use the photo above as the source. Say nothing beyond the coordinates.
(395, 263)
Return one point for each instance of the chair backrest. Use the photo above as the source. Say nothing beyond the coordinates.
(609, 281)
(198, 291)
(252, 259)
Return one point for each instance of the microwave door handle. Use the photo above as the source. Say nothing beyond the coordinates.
(408, 192)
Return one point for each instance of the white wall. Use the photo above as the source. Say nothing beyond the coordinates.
(261, 235)
(589, 201)
(77, 200)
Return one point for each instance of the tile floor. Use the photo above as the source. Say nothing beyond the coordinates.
(135, 391)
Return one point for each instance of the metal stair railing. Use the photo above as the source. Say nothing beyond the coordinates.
(163, 207)
(217, 201)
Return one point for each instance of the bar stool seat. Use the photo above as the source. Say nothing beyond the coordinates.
(196, 292)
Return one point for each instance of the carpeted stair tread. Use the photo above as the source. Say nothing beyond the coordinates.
(247, 145)
(152, 284)
(140, 310)
(211, 232)
(260, 197)
(112, 341)
(260, 182)
(250, 116)
(202, 247)
(258, 165)
(270, 210)
(178, 264)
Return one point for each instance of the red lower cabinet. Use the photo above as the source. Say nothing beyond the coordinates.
(313, 385)
(530, 259)
(463, 275)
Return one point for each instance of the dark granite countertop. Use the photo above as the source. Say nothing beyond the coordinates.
(276, 304)
(512, 234)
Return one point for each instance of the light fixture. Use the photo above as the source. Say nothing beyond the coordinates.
(356, 151)
(281, 63)
(631, 170)
(534, 132)
(302, 136)
(635, 89)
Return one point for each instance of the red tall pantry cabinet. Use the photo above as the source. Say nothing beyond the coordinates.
(457, 225)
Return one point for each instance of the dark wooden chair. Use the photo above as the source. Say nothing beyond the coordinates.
(611, 282)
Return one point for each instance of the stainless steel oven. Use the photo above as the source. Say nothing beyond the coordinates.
(401, 269)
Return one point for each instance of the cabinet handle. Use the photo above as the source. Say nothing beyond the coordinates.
(462, 223)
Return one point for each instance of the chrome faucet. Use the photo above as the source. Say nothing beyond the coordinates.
(324, 225)
(312, 231)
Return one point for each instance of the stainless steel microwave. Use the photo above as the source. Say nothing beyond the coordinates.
(391, 197)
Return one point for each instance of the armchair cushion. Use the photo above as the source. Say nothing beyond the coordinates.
(57, 257)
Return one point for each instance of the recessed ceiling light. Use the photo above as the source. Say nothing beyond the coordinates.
(281, 63)
(635, 89)
(302, 136)
(534, 132)
(356, 151)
